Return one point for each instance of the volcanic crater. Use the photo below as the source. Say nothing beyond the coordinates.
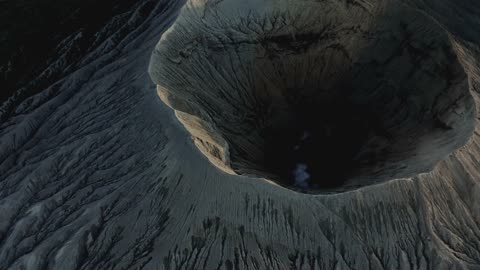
(315, 97)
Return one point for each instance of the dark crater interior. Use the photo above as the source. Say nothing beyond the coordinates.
(397, 110)
(318, 147)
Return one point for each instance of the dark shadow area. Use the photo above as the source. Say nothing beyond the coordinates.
(318, 147)
(30, 32)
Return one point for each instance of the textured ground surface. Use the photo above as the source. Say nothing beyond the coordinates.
(97, 173)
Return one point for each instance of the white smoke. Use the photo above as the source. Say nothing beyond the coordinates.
(301, 175)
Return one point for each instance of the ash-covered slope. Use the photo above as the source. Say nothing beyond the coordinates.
(97, 173)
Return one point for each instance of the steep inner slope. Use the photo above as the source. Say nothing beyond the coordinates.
(316, 97)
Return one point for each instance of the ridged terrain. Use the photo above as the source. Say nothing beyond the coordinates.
(97, 173)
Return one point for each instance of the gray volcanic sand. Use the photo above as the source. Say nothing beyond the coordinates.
(96, 172)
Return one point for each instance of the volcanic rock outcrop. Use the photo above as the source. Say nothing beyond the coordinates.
(317, 96)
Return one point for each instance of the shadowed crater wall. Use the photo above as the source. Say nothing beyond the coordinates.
(315, 96)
